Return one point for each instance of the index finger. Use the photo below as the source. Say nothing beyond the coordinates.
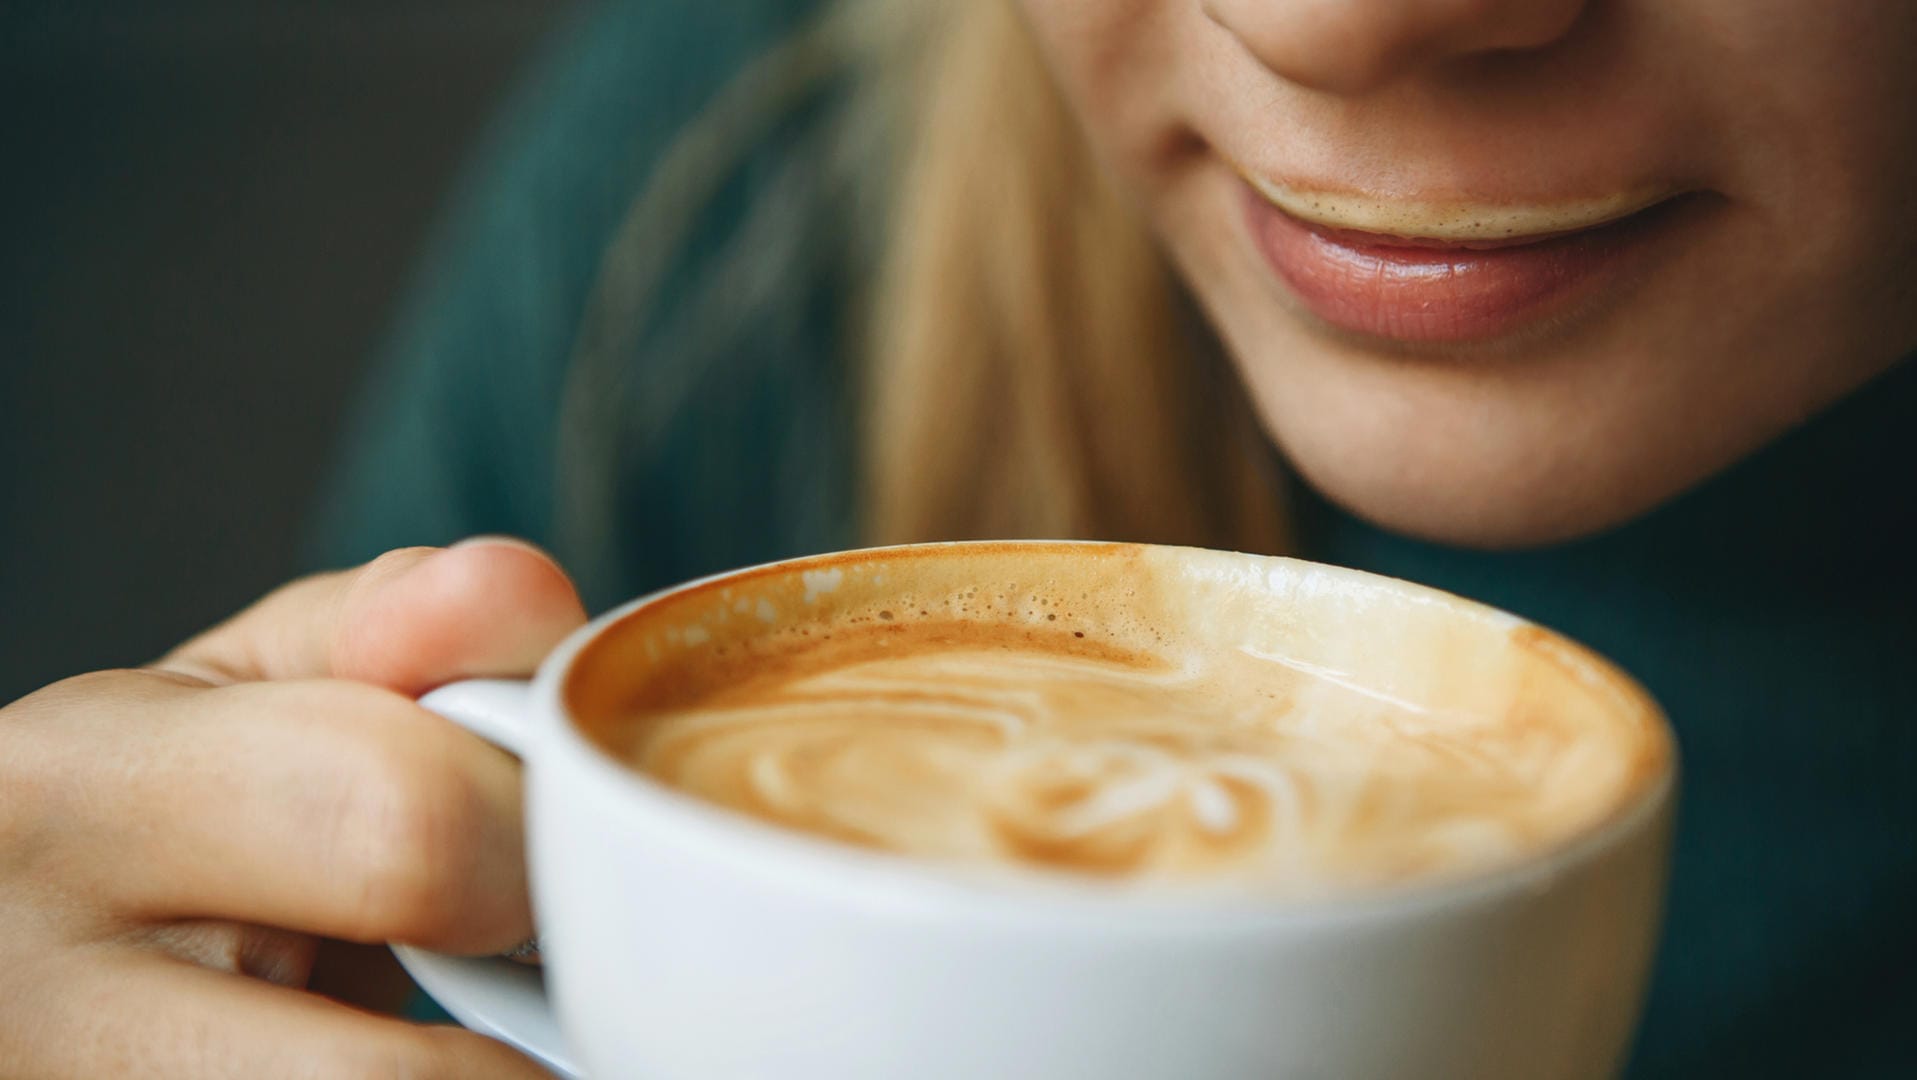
(410, 620)
(150, 1016)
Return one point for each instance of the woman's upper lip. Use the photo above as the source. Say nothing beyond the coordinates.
(1465, 223)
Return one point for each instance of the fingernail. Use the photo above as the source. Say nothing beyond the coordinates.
(490, 540)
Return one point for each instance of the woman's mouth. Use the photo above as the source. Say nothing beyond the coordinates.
(1445, 272)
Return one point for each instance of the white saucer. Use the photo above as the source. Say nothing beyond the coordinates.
(494, 997)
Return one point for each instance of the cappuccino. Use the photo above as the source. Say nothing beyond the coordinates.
(1123, 712)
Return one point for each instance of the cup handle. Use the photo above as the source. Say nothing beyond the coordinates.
(492, 995)
(496, 710)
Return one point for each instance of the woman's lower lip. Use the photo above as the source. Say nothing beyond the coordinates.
(1417, 291)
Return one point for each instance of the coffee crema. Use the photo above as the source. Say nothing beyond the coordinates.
(1125, 712)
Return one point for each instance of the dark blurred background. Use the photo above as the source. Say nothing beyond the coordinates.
(210, 208)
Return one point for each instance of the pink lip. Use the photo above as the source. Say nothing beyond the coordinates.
(1424, 291)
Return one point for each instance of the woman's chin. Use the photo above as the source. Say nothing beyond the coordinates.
(1488, 515)
(1474, 470)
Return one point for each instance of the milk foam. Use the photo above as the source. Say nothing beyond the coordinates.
(1457, 220)
(1141, 721)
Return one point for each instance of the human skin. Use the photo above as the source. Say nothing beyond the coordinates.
(1777, 279)
(257, 804)
(184, 847)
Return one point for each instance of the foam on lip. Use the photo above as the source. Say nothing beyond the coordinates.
(1453, 220)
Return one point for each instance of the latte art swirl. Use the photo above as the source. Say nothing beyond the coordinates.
(1236, 765)
(1148, 714)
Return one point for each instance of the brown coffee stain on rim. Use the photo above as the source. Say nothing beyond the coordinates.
(599, 689)
(1579, 664)
(584, 702)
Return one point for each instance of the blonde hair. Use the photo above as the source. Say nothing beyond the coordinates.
(1034, 369)
(1031, 367)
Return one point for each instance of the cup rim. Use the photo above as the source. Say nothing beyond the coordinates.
(894, 881)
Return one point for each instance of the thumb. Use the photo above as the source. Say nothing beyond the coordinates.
(410, 620)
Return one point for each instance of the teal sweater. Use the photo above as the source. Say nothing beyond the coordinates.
(1773, 611)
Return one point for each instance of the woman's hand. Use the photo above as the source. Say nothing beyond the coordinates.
(182, 845)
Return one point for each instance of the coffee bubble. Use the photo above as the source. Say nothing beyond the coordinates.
(1123, 713)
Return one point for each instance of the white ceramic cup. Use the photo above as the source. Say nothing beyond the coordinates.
(682, 942)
